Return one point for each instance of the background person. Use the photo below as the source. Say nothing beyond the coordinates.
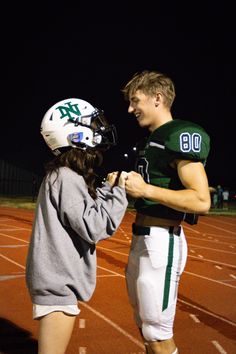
(72, 215)
(170, 185)
(215, 200)
(219, 191)
(225, 197)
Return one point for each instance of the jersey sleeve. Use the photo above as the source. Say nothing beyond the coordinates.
(188, 141)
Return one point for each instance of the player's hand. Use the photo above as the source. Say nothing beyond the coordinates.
(135, 185)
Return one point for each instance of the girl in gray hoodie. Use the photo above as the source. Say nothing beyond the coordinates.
(73, 213)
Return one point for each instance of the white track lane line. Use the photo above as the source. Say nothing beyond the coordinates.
(218, 262)
(218, 267)
(120, 275)
(108, 249)
(113, 324)
(209, 279)
(208, 312)
(212, 240)
(211, 249)
(13, 238)
(11, 261)
(194, 318)
(218, 347)
(190, 229)
(220, 221)
(82, 323)
(111, 271)
(15, 229)
(7, 277)
(12, 246)
(204, 259)
(218, 228)
(233, 276)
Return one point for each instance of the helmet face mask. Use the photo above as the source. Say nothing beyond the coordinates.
(76, 123)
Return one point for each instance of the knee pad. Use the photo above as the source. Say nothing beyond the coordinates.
(149, 307)
(149, 332)
(150, 302)
(157, 324)
(154, 332)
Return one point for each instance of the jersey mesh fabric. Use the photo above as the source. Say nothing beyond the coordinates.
(174, 140)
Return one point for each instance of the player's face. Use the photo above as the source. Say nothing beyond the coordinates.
(143, 107)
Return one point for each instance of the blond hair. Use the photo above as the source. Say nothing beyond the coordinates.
(151, 82)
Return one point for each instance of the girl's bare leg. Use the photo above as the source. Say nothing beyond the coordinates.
(55, 331)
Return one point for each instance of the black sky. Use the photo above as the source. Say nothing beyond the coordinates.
(90, 51)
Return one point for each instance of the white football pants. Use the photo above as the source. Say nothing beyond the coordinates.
(155, 264)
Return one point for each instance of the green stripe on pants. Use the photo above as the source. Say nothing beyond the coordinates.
(168, 272)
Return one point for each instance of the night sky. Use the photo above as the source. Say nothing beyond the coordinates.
(67, 49)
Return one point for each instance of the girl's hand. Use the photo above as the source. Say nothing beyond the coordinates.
(112, 178)
(122, 179)
(117, 178)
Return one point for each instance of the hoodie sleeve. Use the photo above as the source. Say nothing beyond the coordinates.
(93, 220)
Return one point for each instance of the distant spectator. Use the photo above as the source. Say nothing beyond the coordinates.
(215, 200)
(213, 197)
(225, 196)
(219, 190)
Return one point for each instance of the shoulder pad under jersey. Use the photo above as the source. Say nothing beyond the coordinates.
(187, 140)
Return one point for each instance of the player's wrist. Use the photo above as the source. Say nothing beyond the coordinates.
(147, 191)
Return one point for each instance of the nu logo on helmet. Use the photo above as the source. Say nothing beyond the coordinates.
(69, 111)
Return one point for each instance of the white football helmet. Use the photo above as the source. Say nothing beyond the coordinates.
(76, 123)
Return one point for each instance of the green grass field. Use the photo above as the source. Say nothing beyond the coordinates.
(29, 203)
(18, 202)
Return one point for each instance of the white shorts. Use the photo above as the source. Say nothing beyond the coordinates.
(43, 310)
(155, 264)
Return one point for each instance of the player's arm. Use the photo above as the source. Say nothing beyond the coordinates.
(194, 199)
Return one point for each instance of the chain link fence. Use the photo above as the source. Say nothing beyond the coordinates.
(15, 181)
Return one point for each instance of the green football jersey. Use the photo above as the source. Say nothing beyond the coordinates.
(177, 139)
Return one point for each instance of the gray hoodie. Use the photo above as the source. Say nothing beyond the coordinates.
(61, 261)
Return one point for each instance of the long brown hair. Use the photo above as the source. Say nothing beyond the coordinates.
(82, 162)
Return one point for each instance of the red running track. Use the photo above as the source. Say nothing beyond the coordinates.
(206, 310)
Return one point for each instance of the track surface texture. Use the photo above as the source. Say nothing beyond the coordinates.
(206, 310)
